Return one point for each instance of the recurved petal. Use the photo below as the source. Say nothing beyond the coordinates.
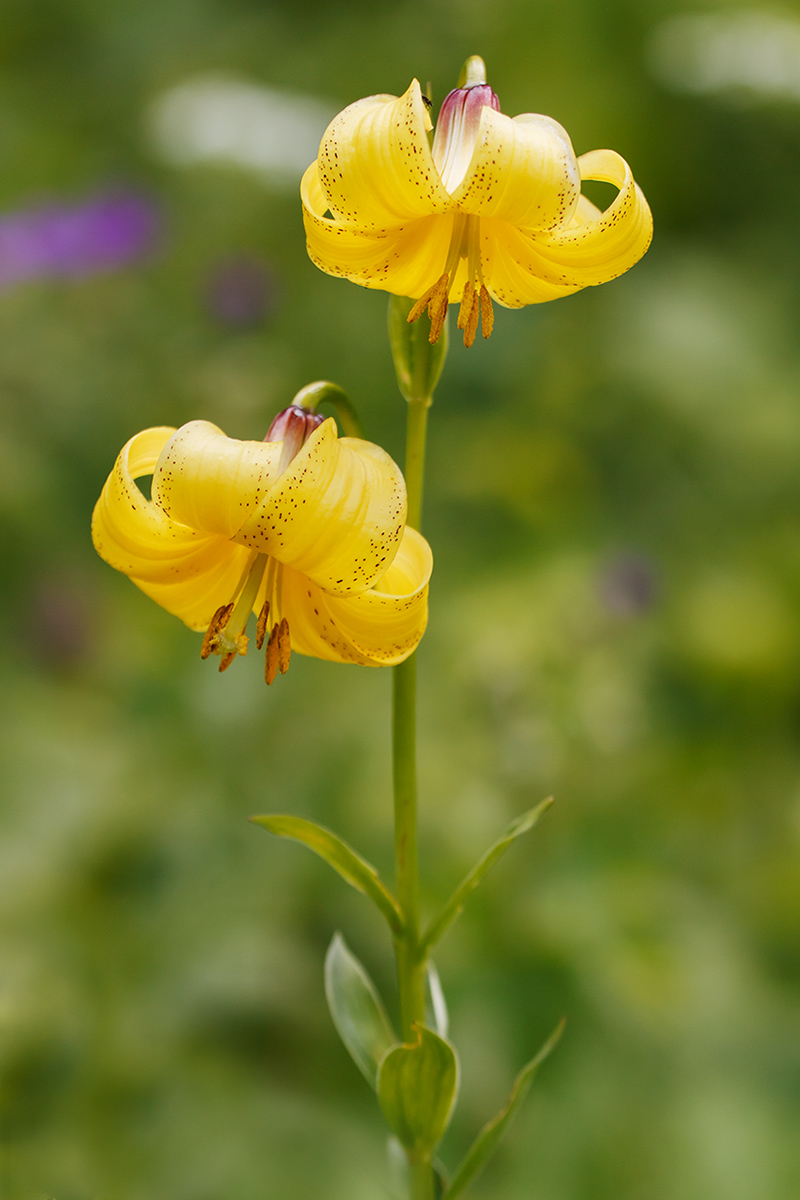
(336, 513)
(377, 628)
(211, 482)
(406, 259)
(523, 170)
(375, 164)
(600, 246)
(187, 573)
(524, 268)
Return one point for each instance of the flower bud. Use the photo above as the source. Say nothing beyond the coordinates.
(457, 130)
(417, 363)
(293, 427)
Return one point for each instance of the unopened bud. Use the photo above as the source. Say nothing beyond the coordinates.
(458, 124)
(418, 362)
(293, 427)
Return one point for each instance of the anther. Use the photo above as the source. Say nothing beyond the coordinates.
(261, 626)
(225, 662)
(271, 661)
(284, 646)
(467, 301)
(487, 312)
(218, 622)
(436, 302)
(279, 651)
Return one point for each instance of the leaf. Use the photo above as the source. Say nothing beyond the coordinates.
(436, 1005)
(417, 1089)
(459, 897)
(357, 1010)
(485, 1143)
(354, 869)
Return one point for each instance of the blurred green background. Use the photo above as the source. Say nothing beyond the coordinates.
(614, 505)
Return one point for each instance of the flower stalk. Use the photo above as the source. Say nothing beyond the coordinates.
(418, 366)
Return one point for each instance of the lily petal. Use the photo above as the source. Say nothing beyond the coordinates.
(375, 164)
(406, 259)
(336, 513)
(523, 170)
(203, 478)
(379, 627)
(523, 268)
(184, 571)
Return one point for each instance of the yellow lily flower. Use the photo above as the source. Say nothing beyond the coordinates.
(493, 209)
(310, 535)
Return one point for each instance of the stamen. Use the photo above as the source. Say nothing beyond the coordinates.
(272, 661)
(487, 312)
(437, 309)
(471, 324)
(218, 621)
(422, 303)
(225, 635)
(435, 300)
(261, 627)
(284, 646)
(467, 300)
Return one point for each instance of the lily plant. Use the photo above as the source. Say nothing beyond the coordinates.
(317, 535)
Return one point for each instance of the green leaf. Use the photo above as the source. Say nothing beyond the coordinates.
(357, 1010)
(485, 1143)
(435, 1003)
(417, 1089)
(354, 869)
(417, 363)
(459, 897)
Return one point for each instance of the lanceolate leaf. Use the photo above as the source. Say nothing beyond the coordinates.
(357, 1009)
(436, 1005)
(485, 1143)
(459, 897)
(417, 1088)
(350, 865)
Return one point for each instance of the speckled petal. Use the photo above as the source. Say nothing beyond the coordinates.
(525, 268)
(336, 513)
(406, 260)
(523, 170)
(377, 628)
(375, 164)
(188, 573)
(211, 482)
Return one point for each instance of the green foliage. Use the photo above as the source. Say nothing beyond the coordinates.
(354, 869)
(436, 1005)
(417, 1089)
(357, 1009)
(485, 1143)
(455, 905)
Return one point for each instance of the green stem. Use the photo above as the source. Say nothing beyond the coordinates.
(416, 430)
(411, 965)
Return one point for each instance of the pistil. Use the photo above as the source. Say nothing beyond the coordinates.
(225, 635)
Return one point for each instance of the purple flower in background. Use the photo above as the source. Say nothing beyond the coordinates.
(241, 291)
(70, 241)
(628, 584)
